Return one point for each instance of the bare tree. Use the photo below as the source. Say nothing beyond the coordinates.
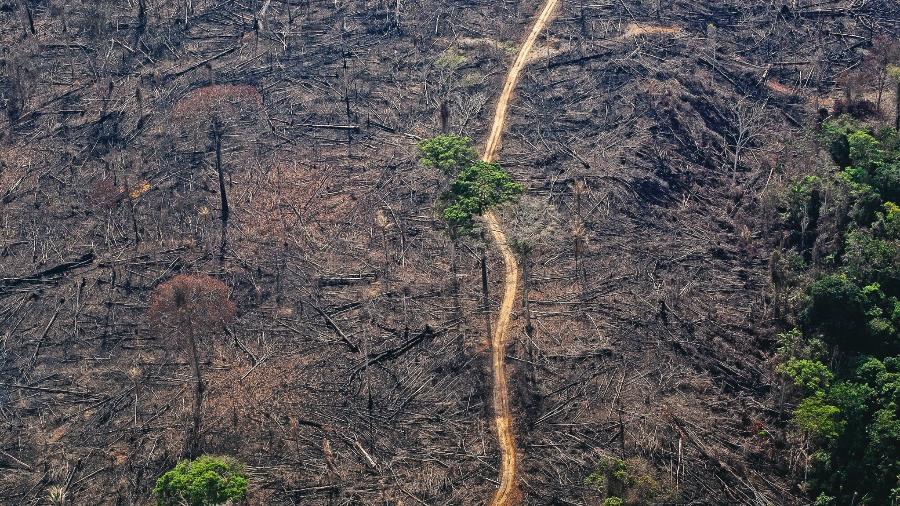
(748, 122)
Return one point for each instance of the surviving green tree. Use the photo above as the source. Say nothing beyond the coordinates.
(474, 187)
(447, 153)
(205, 481)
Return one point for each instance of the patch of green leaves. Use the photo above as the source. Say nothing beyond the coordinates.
(205, 481)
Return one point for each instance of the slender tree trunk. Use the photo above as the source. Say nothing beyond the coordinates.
(141, 20)
(29, 17)
(445, 117)
(193, 443)
(457, 309)
(226, 212)
(484, 289)
(897, 106)
(526, 287)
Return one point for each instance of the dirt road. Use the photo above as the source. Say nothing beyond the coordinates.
(507, 492)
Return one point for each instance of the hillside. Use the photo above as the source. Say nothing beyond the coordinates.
(269, 149)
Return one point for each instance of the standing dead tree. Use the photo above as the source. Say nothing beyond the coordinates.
(184, 309)
(748, 120)
(211, 114)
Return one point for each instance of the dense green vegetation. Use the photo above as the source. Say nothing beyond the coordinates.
(205, 481)
(475, 185)
(842, 267)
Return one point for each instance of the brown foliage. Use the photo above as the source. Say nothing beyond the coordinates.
(217, 99)
(106, 193)
(197, 300)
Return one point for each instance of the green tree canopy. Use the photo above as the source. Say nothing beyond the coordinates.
(205, 481)
(477, 188)
(448, 153)
(837, 308)
(811, 375)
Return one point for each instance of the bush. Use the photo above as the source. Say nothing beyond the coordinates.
(205, 481)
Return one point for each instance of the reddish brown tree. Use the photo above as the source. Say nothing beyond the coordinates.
(211, 114)
(185, 309)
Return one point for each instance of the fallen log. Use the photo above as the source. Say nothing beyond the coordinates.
(58, 270)
(393, 353)
(352, 347)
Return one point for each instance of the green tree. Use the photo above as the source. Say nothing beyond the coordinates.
(476, 189)
(447, 153)
(476, 186)
(865, 151)
(837, 308)
(810, 375)
(818, 418)
(205, 481)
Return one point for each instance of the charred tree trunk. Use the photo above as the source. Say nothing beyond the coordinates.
(141, 24)
(484, 289)
(192, 449)
(457, 309)
(29, 17)
(226, 212)
(445, 117)
(526, 286)
(897, 106)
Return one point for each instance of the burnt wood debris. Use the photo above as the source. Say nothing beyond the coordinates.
(216, 238)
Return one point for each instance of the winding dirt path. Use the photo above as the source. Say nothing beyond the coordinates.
(508, 491)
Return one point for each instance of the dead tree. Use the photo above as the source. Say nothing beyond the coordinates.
(220, 111)
(185, 309)
(748, 120)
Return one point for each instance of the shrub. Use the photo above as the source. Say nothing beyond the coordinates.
(613, 501)
(205, 481)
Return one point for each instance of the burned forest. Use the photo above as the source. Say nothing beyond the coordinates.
(423, 252)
